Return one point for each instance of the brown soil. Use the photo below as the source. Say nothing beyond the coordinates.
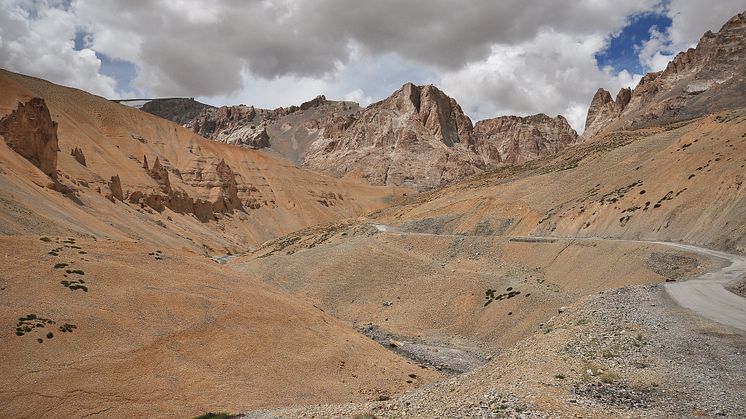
(161, 332)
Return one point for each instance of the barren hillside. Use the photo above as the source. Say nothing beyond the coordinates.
(176, 187)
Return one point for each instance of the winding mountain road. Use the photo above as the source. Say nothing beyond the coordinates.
(705, 295)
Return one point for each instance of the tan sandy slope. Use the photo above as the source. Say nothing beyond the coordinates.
(681, 182)
(165, 333)
(276, 198)
(433, 288)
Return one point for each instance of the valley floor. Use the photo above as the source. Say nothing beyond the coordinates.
(621, 352)
(630, 352)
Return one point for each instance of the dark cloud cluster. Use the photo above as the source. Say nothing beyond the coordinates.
(201, 47)
(495, 57)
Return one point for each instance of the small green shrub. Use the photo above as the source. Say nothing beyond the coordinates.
(609, 377)
(609, 353)
(67, 328)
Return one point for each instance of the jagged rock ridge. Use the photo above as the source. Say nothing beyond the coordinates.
(418, 137)
(288, 130)
(701, 80)
(421, 138)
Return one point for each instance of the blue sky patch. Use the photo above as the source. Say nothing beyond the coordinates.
(124, 72)
(621, 53)
(82, 40)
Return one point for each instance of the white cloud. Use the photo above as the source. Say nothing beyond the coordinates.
(42, 45)
(494, 57)
(553, 73)
(358, 96)
(690, 19)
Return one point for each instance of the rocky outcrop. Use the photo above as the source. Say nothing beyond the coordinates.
(115, 189)
(699, 81)
(221, 178)
(229, 200)
(160, 175)
(313, 103)
(420, 137)
(604, 110)
(30, 132)
(289, 130)
(179, 110)
(78, 155)
(251, 136)
(239, 125)
(515, 140)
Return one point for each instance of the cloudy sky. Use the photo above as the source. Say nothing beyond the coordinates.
(495, 57)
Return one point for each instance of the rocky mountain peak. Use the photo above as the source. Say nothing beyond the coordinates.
(701, 80)
(313, 103)
(604, 109)
(420, 137)
(439, 113)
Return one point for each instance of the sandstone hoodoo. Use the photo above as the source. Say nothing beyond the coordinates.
(30, 132)
(77, 153)
(115, 189)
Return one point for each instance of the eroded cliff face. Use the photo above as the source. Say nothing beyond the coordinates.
(515, 140)
(699, 81)
(420, 138)
(215, 176)
(288, 130)
(238, 125)
(30, 132)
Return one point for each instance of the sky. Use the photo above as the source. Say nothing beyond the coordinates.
(507, 57)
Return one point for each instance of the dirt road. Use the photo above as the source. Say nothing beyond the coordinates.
(706, 294)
